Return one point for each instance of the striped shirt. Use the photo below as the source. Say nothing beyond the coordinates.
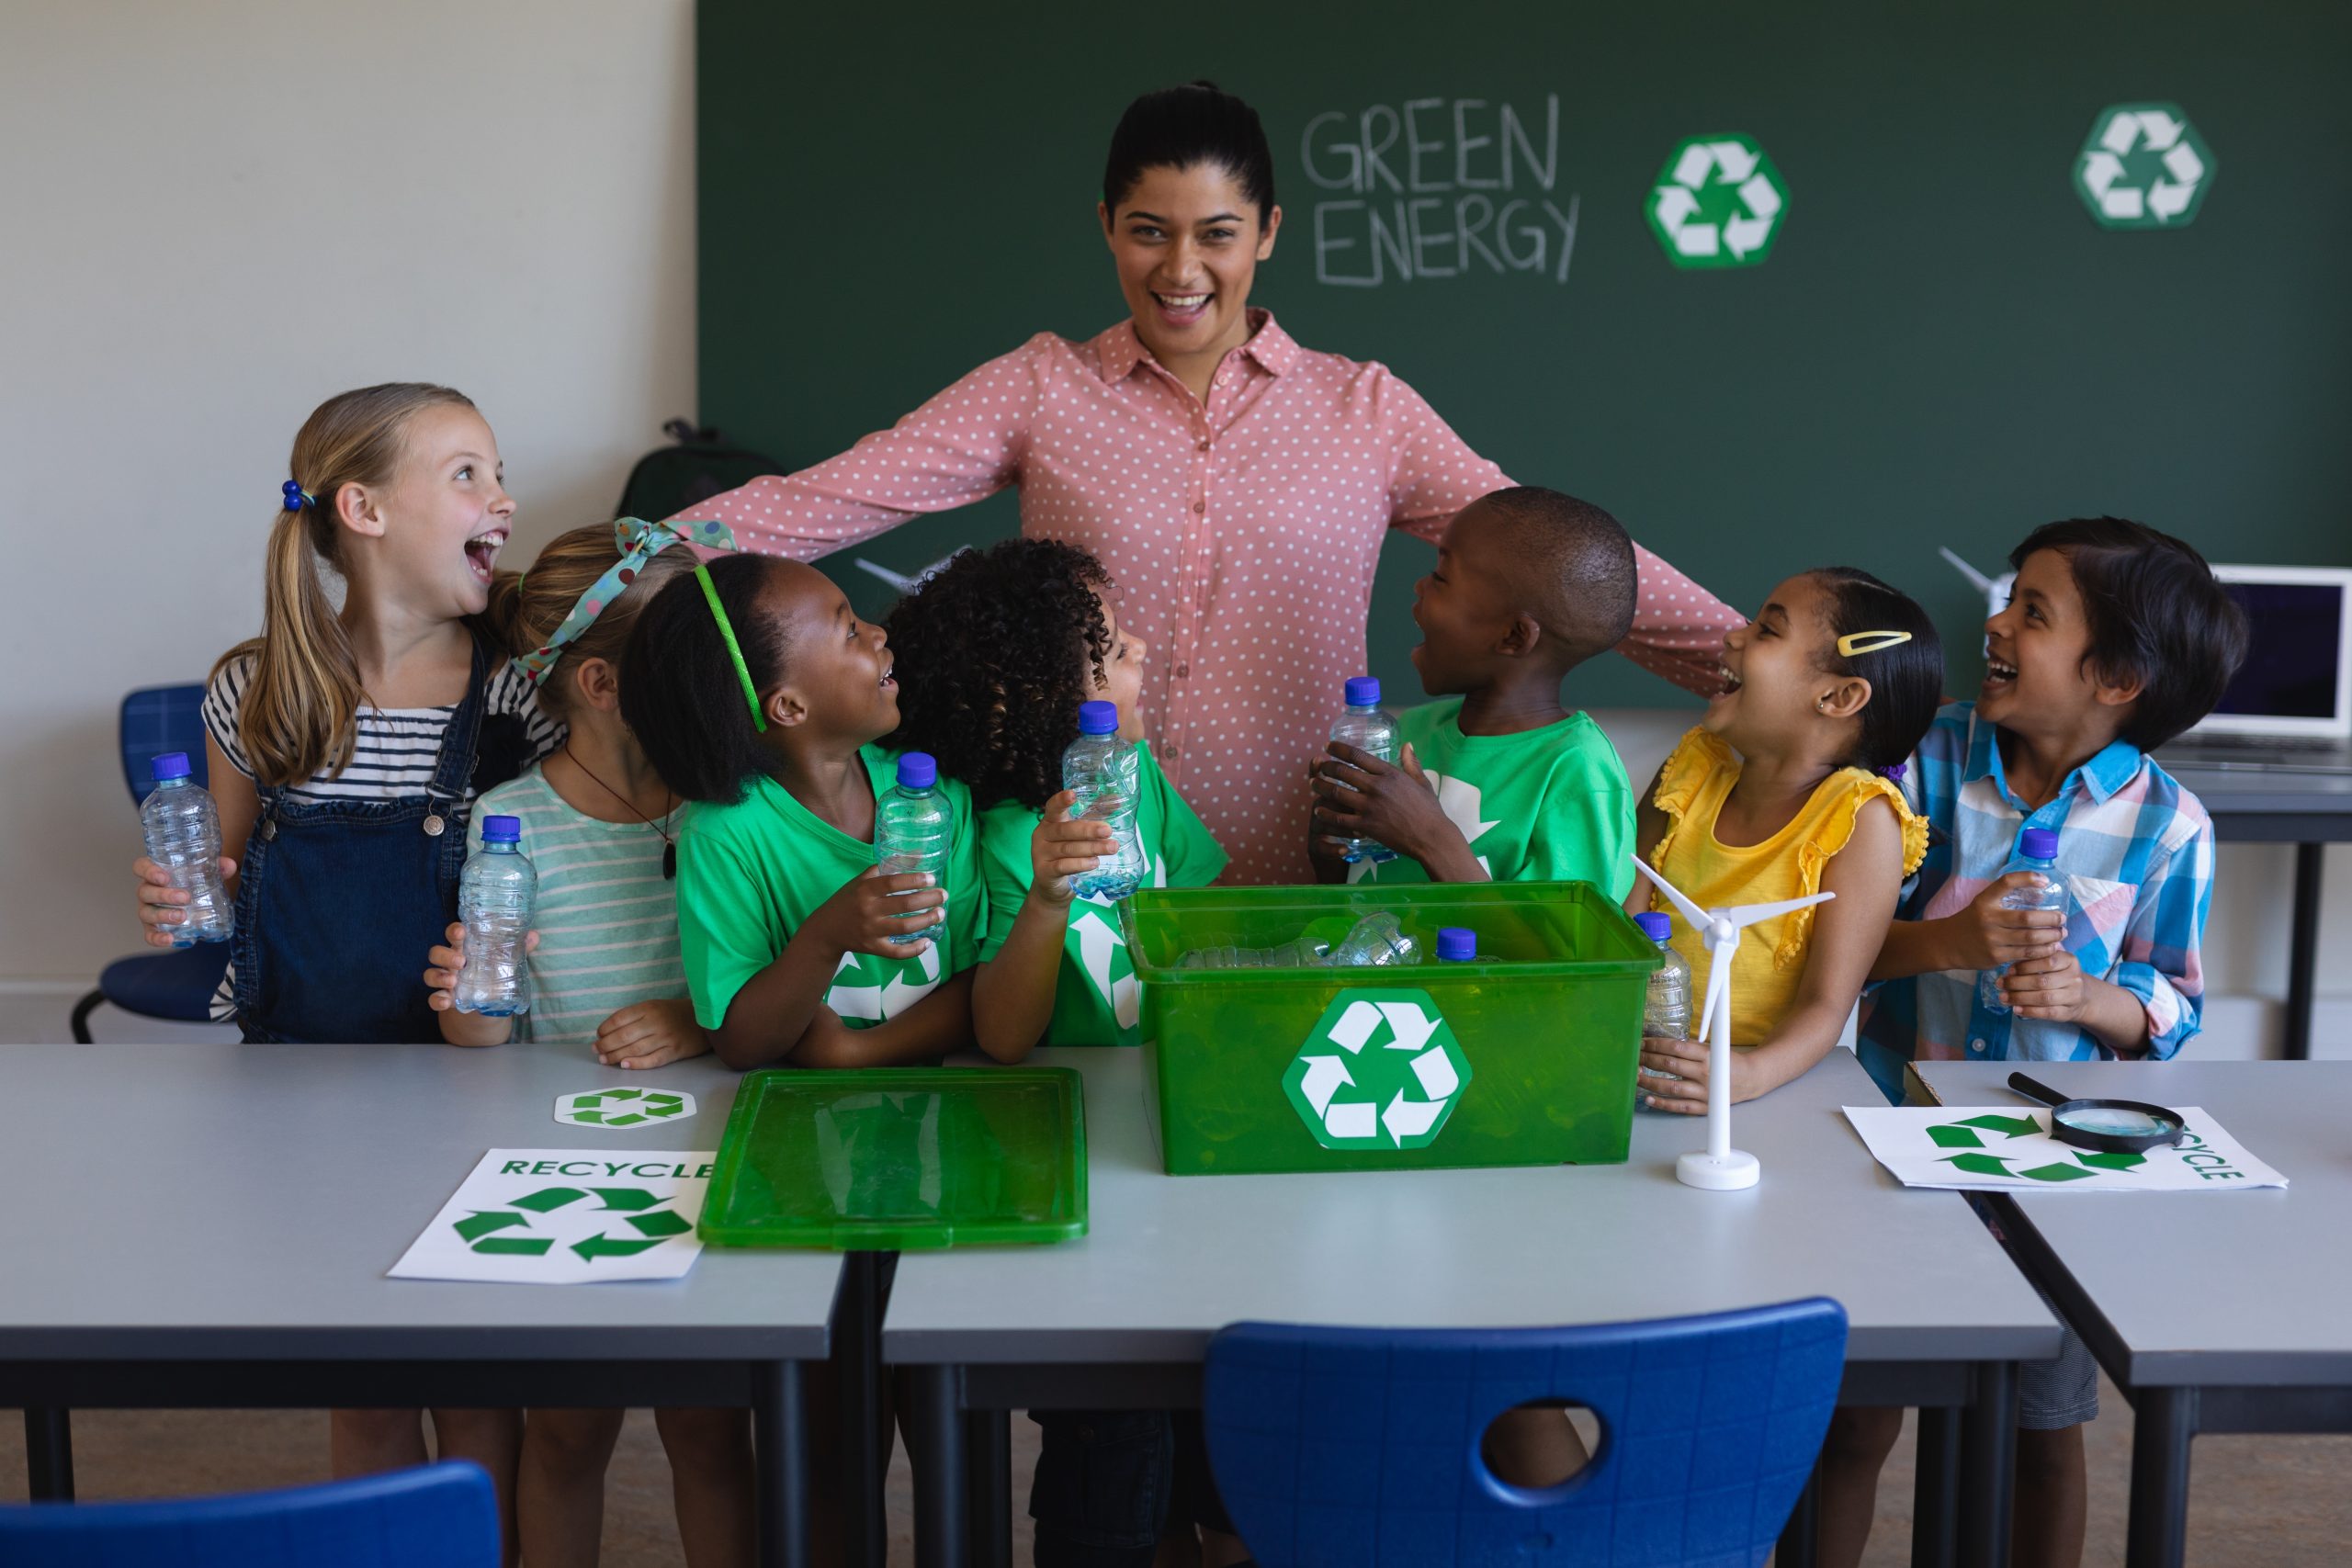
(607, 919)
(2135, 850)
(393, 754)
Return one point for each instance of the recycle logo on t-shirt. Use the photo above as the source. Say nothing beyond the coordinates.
(1099, 947)
(867, 989)
(1381, 1070)
(2142, 167)
(1965, 1135)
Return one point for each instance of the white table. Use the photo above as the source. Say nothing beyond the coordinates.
(208, 1226)
(2220, 1313)
(1122, 1317)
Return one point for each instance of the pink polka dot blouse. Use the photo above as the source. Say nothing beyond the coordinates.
(1243, 535)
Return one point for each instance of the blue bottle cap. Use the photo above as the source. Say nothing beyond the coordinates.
(171, 765)
(2039, 843)
(1655, 925)
(1098, 718)
(916, 770)
(502, 829)
(1456, 944)
(1363, 691)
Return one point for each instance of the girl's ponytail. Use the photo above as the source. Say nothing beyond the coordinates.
(298, 716)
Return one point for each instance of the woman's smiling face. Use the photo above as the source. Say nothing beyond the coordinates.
(1187, 243)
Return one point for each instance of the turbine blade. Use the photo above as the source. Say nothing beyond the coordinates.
(1690, 912)
(1748, 914)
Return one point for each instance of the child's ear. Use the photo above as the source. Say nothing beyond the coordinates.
(598, 684)
(355, 508)
(1519, 639)
(784, 708)
(1846, 699)
(2115, 693)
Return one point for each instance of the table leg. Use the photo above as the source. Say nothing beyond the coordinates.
(989, 1434)
(49, 1455)
(936, 1432)
(1988, 1467)
(780, 1449)
(2163, 1421)
(1800, 1536)
(864, 1413)
(1935, 1492)
(2303, 952)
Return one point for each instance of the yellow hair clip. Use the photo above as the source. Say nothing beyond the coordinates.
(1854, 643)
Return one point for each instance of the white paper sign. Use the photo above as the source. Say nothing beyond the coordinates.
(2010, 1149)
(567, 1217)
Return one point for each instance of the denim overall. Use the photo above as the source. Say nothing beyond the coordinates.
(337, 900)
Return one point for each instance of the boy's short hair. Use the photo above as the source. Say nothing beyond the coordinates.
(2157, 615)
(1578, 577)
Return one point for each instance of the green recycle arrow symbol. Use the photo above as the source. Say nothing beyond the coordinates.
(635, 1105)
(642, 1211)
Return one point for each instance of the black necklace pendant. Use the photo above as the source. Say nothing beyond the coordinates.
(669, 862)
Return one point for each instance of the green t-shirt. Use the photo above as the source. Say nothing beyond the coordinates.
(1095, 1000)
(750, 874)
(1549, 805)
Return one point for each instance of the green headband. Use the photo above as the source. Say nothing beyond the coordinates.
(734, 650)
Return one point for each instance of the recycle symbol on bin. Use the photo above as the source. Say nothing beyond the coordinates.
(2142, 167)
(1718, 202)
(489, 1231)
(1381, 1070)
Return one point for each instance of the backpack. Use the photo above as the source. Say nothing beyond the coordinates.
(670, 478)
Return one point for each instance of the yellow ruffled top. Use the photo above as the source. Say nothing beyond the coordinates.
(1691, 789)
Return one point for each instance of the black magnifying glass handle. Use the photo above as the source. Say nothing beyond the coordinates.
(2035, 1089)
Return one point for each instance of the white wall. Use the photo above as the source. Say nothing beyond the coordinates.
(216, 216)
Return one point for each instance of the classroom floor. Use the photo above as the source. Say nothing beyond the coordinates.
(2257, 1503)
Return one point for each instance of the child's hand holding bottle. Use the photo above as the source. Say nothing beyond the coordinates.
(875, 910)
(442, 964)
(1063, 846)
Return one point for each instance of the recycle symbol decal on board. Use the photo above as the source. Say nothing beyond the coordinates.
(627, 1107)
(2142, 167)
(1381, 1070)
(1718, 202)
(1965, 1135)
(492, 1230)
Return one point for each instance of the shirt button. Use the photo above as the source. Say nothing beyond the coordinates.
(1182, 670)
(1978, 1046)
(1205, 446)
(1199, 506)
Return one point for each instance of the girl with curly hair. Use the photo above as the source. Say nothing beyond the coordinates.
(999, 648)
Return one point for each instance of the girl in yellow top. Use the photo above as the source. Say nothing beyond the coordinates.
(1787, 788)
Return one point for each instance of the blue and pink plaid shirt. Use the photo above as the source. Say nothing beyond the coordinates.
(2136, 853)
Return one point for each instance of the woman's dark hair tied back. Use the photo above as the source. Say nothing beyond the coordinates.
(1907, 678)
(1198, 123)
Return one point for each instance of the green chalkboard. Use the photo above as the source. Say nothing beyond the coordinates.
(1941, 347)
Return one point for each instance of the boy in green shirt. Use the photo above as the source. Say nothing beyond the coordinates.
(996, 698)
(1496, 780)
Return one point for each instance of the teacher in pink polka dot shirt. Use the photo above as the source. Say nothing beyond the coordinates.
(1236, 483)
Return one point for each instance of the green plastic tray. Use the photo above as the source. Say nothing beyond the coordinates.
(1547, 1024)
(901, 1158)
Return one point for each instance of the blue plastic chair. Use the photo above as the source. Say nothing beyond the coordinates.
(1338, 1448)
(177, 985)
(445, 1515)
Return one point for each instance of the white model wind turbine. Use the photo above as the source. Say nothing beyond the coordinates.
(1721, 1168)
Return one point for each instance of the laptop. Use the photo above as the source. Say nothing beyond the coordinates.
(2289, 705)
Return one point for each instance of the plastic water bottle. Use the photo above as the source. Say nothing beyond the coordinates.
(494, 898)
(1102, 770)
(2038, 851)
(183, 830)
(912, 828)
(1456, 944)
(1300, 955)
(1372, 730)
(1377, 942)
(1668, 1012)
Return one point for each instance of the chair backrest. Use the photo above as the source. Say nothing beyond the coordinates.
(442, 1514)
(1360, 1447)
(156, 720)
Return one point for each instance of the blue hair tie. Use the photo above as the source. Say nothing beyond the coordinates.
(1893, 774)
(296, 497)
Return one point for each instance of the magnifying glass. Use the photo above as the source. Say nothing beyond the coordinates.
(2109, 1126)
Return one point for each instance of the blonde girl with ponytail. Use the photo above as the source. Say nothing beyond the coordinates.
(347, 745)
